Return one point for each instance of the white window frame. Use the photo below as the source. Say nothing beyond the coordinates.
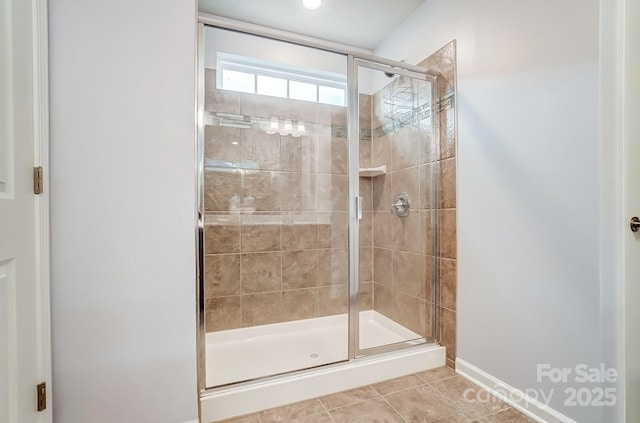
(258, 67)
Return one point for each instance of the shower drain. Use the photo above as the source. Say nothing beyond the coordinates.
(314, 355)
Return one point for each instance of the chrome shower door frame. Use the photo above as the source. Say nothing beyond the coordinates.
(355, 203)
(355, 59)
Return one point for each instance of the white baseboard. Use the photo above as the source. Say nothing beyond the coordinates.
(527, 405)
(192, 421)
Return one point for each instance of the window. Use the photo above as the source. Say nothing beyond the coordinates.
(331, 95)
(268, 85)
(303, 91)
(239, 81)
(248, 75)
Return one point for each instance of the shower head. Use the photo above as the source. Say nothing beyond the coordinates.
(390, 74)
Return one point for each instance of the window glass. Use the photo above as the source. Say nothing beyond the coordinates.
(303, 91)
(331, 95)
(250, 75)
(268, 85)
(238, 81)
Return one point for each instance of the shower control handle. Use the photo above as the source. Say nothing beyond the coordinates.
(401, 205)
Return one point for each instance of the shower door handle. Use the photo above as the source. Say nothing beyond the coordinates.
(359, 207)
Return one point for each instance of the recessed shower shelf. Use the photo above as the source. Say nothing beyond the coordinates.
(370, 172)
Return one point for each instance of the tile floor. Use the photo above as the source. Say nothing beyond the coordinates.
(434, 396)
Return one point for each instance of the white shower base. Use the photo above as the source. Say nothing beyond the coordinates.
(254, 352)
(257, 352)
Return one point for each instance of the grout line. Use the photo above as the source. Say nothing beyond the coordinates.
(439, 380)
(394, 409)
(489, 414)
(375, 390)
(326, 410)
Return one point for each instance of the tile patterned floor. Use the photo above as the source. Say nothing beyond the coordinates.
(434, 396)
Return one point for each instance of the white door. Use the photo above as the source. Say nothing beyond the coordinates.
(24, 329)
(632, 208)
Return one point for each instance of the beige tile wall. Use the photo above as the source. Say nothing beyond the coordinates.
(444, 62)
(288, 259)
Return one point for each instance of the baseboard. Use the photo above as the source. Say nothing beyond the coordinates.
(527, 405)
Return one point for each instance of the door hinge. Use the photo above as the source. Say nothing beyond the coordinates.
(37, 180)
(42, 396)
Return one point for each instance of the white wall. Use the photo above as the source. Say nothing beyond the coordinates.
(122, 192)
(225, 41)
(528, 175)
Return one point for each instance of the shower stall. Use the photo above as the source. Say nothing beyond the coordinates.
(318, 220)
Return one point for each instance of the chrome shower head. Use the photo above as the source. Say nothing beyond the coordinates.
(391, 75)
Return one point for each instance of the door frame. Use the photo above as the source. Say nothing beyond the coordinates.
(613, 226)
(355, 209)
(40, 52)
(630, 135)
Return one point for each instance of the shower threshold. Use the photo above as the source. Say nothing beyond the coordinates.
(253, 353)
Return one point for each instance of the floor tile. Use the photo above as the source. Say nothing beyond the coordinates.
(436, 375)
(348, 397)
(469, 397)
(250, 418)
(316, 418)
(507, 416)
(372, 411)
(425, 404)
(287, 413)
(398, 384)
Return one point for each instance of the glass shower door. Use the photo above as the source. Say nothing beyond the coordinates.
(396, 236)
(316, 220)
(274, 207)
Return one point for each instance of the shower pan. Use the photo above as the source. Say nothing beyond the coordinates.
(317, 227)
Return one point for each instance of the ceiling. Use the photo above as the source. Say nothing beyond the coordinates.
(357, 23)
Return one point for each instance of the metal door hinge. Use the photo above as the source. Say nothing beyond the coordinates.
(37, 180)
(42, 396)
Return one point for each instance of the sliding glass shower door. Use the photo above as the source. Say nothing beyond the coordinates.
(275, 207)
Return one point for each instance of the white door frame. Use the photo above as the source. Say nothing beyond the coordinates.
(614, 228)
(617, 285)
(41, 158)
(631, 207)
